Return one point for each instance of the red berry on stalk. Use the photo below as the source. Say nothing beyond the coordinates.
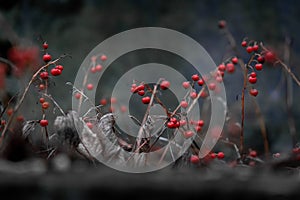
(182, 122)
(261, 59)
(270, 57)
(195, 77)
(146, 100)
(45, 45)
(244, 43)
(213, 155)
(234, 60)
(113, 100)
(44, 122)
(258, 66)
(164, 85)
(55, 72)
(212, 86)
(45, 105)
(44, 75)
(221, 155)
(193, 95)
(77, 95)
(90, 125)
(200, 122)
(201, 82)
(253, 92)
(222, 67)
(252, 80)
(103, 102)
(42, 100)
(170, 125)
(230, 67)
(90, 86)
(98, 68)
(188, 134)
(253, 154)
(141, 92)
(184, 104)
(194, 159)
(103, 58)
(186, 84)
(47, 57)
(253, 74)
(249, 49)
(41, 86)
(198, 128)
(222, 24)
(60, 67)
(10, 111)
(255, 47)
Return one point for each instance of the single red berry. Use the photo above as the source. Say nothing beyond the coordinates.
(230, 67)
(222, 24)
(261, 59)
(222, 67)
(253, 92)
(140, 87)
(249, 49)
(98, 68)
(45, 105)
(60, 67)
(77, 95)
(212, 86)
(219, 79)
(123, 109)
(41, 86)
(270, 57)
(55, 72)
(193, 95)
(113, 100)
(194, 159)
(103, 102)
(253, 74)
(146, 100)
(255, 47)
(201, 82)
(47, 57)
(203, 94)
(103, 58)
(171, 125)
(213, 155)
(141, 92)
(258, 66)
(200, 122)
(10, 111)
(164, 85)
(20, 118)
(244, 43)
(253, 154)
(186, 84)
(42, 100)
(195, 77)
(184, 104)
(198, 128)
(182, 122)
(252, 80)
(90, 125)
(221, 155)
(188, 134)
(44, 122)
(44, 75)
(45, 45)
(93, 70)
(234, 60)
(90, 86)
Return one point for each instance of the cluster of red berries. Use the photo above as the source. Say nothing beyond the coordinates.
(173, 123)
(228, 66)
(197, 125)
(195, 159)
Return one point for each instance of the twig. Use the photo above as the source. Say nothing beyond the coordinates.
(55, 103)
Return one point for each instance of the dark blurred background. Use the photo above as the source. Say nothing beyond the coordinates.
(77, 26)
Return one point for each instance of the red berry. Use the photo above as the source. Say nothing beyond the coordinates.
(198, 128)
(113, 100)
(146, 100)
(219, 79)
(200, 122)
(93, 69)
(253, 154)
(193, 95)
(45, 105)
(123, 109)
(203, 94)
(90, 86)
(234, 60)
(213, 155)
(261, 59)
(201, 82)
(255, 47)
(44, 75)
(244, 43)
(222, 67)
(10, 111)
(173, 119)
(186, 84)
(98, 68)
(253, 74)
(141, 92)
(44, 122)
(212, 86)
(230, 67)
(41, 86)
(42, 100)
(20, 118)
(195, 77)
(171, 125)
(45, 45)
(270, 57)
(182, 122)
(184, 104)
(103, 58)
(253, 92)
(47, 57)
(164, 85)
(140, 87)
(103, 102)
(222, 24)
(194, 159)
(252, 80)
(60, 67)
(77, 95)
(90, 125)
(55, 72)
(188, 134)
(249, 49)
(258, 66)
(221, 155)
